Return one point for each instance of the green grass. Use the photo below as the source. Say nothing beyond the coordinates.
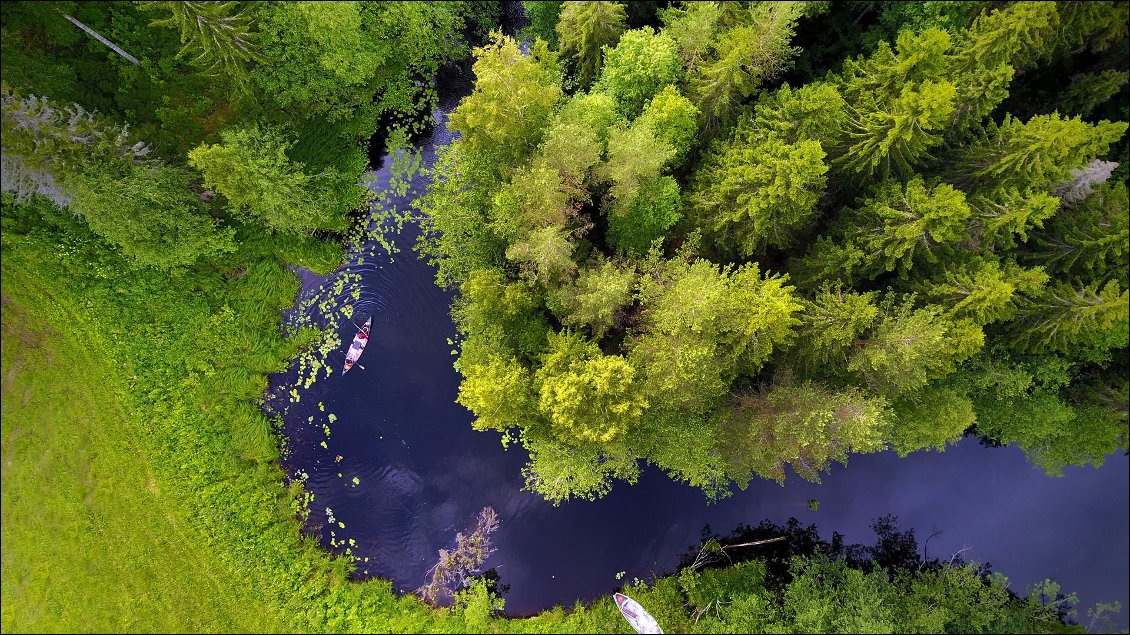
(91, 542)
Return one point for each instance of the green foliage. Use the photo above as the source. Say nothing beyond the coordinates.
(673, 118)
(930, 417)
(895, 228)
(596, 111)
(812, 112)
(984, 291)
(571, 207)
(757, 191)
(1088, 91)
(151, 212)
(893, 141)
(694, 26)
(329, 59)
(216, 36)
(145, 207)
(504, 118)
(497, 391)
(585, 394)
(634, 227)
(561, 472)
(498, 315)
(753, 51)
(596, 298)
(546, 255)
(543, 15)
(1032, 402)
(831, 323)
(585, 29)
(638, 67)
(1074, 319)
(456, 235)
(252, 171)
(1091, 237)
(1039, 153)
(740, 311)
(804, 425)
(916, 222)
(636, 156)
(910, 346)
(999, 218)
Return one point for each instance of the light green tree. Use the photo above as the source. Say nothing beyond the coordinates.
(754, 51)
(815, 111)
(586, 396)
(636, 157)
(1002, 216)
(1072, 318)
(497, 316)
(498, 392)
(1091, 236)
(909, 346)
(894, 140)
(983, 290)
(638, 67)
(92, 167)
(756, 191)
(545, 254)
(899, 225)
(595, 298)
(505, 118)
(674, 120)
(1037, 154)
(832, 321)
(930, 418)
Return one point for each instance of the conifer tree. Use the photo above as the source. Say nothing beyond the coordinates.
(758, 190)
(900, 225)
(1082, 319)
(214, 35)
(150, 209)
(1037, 154)
(802, 425)
(584, 29)
(755, 50)
(1091, 237)
(983, 290)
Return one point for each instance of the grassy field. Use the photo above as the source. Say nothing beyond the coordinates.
(90, 542)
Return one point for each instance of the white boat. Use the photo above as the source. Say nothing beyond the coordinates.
(640, 619)
(358, 345)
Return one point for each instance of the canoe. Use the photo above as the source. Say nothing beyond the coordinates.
(358, 345)
(640, 619)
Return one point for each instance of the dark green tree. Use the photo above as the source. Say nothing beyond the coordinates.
(584, 29)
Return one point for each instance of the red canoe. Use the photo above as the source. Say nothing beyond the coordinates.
(358, 345)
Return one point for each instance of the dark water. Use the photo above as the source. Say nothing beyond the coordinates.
(424, 474)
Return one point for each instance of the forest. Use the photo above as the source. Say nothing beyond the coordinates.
(677, 246)
(731, 240)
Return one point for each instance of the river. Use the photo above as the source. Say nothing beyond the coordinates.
(422, 473)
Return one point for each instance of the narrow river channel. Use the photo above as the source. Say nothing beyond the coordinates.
(422, 473)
